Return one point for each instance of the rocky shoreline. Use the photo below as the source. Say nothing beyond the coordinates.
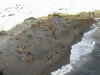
(39, 46)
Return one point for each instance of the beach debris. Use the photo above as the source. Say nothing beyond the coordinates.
(29, 36)
(42, 28)
(54, 36)
(39, 23)
(6, 63)
(30, 45)
(18, 51)
(27, 41)
(21, 47)
(56, 52)
(61, 50)
(29, 55)
(29, 62)
(23, 59)
(35, 25)
(49, 57)
(17, 38)
(1, 56)
(62, 46)
(11, 34)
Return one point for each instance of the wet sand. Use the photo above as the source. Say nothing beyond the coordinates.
(39, 46)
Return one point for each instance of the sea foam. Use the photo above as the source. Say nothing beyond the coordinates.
(79, 50)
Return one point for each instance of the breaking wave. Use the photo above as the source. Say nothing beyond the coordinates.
(83, 55)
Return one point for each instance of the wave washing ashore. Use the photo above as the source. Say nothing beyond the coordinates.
(85, 55)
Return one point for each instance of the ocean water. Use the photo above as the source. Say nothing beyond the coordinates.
(85, 55)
